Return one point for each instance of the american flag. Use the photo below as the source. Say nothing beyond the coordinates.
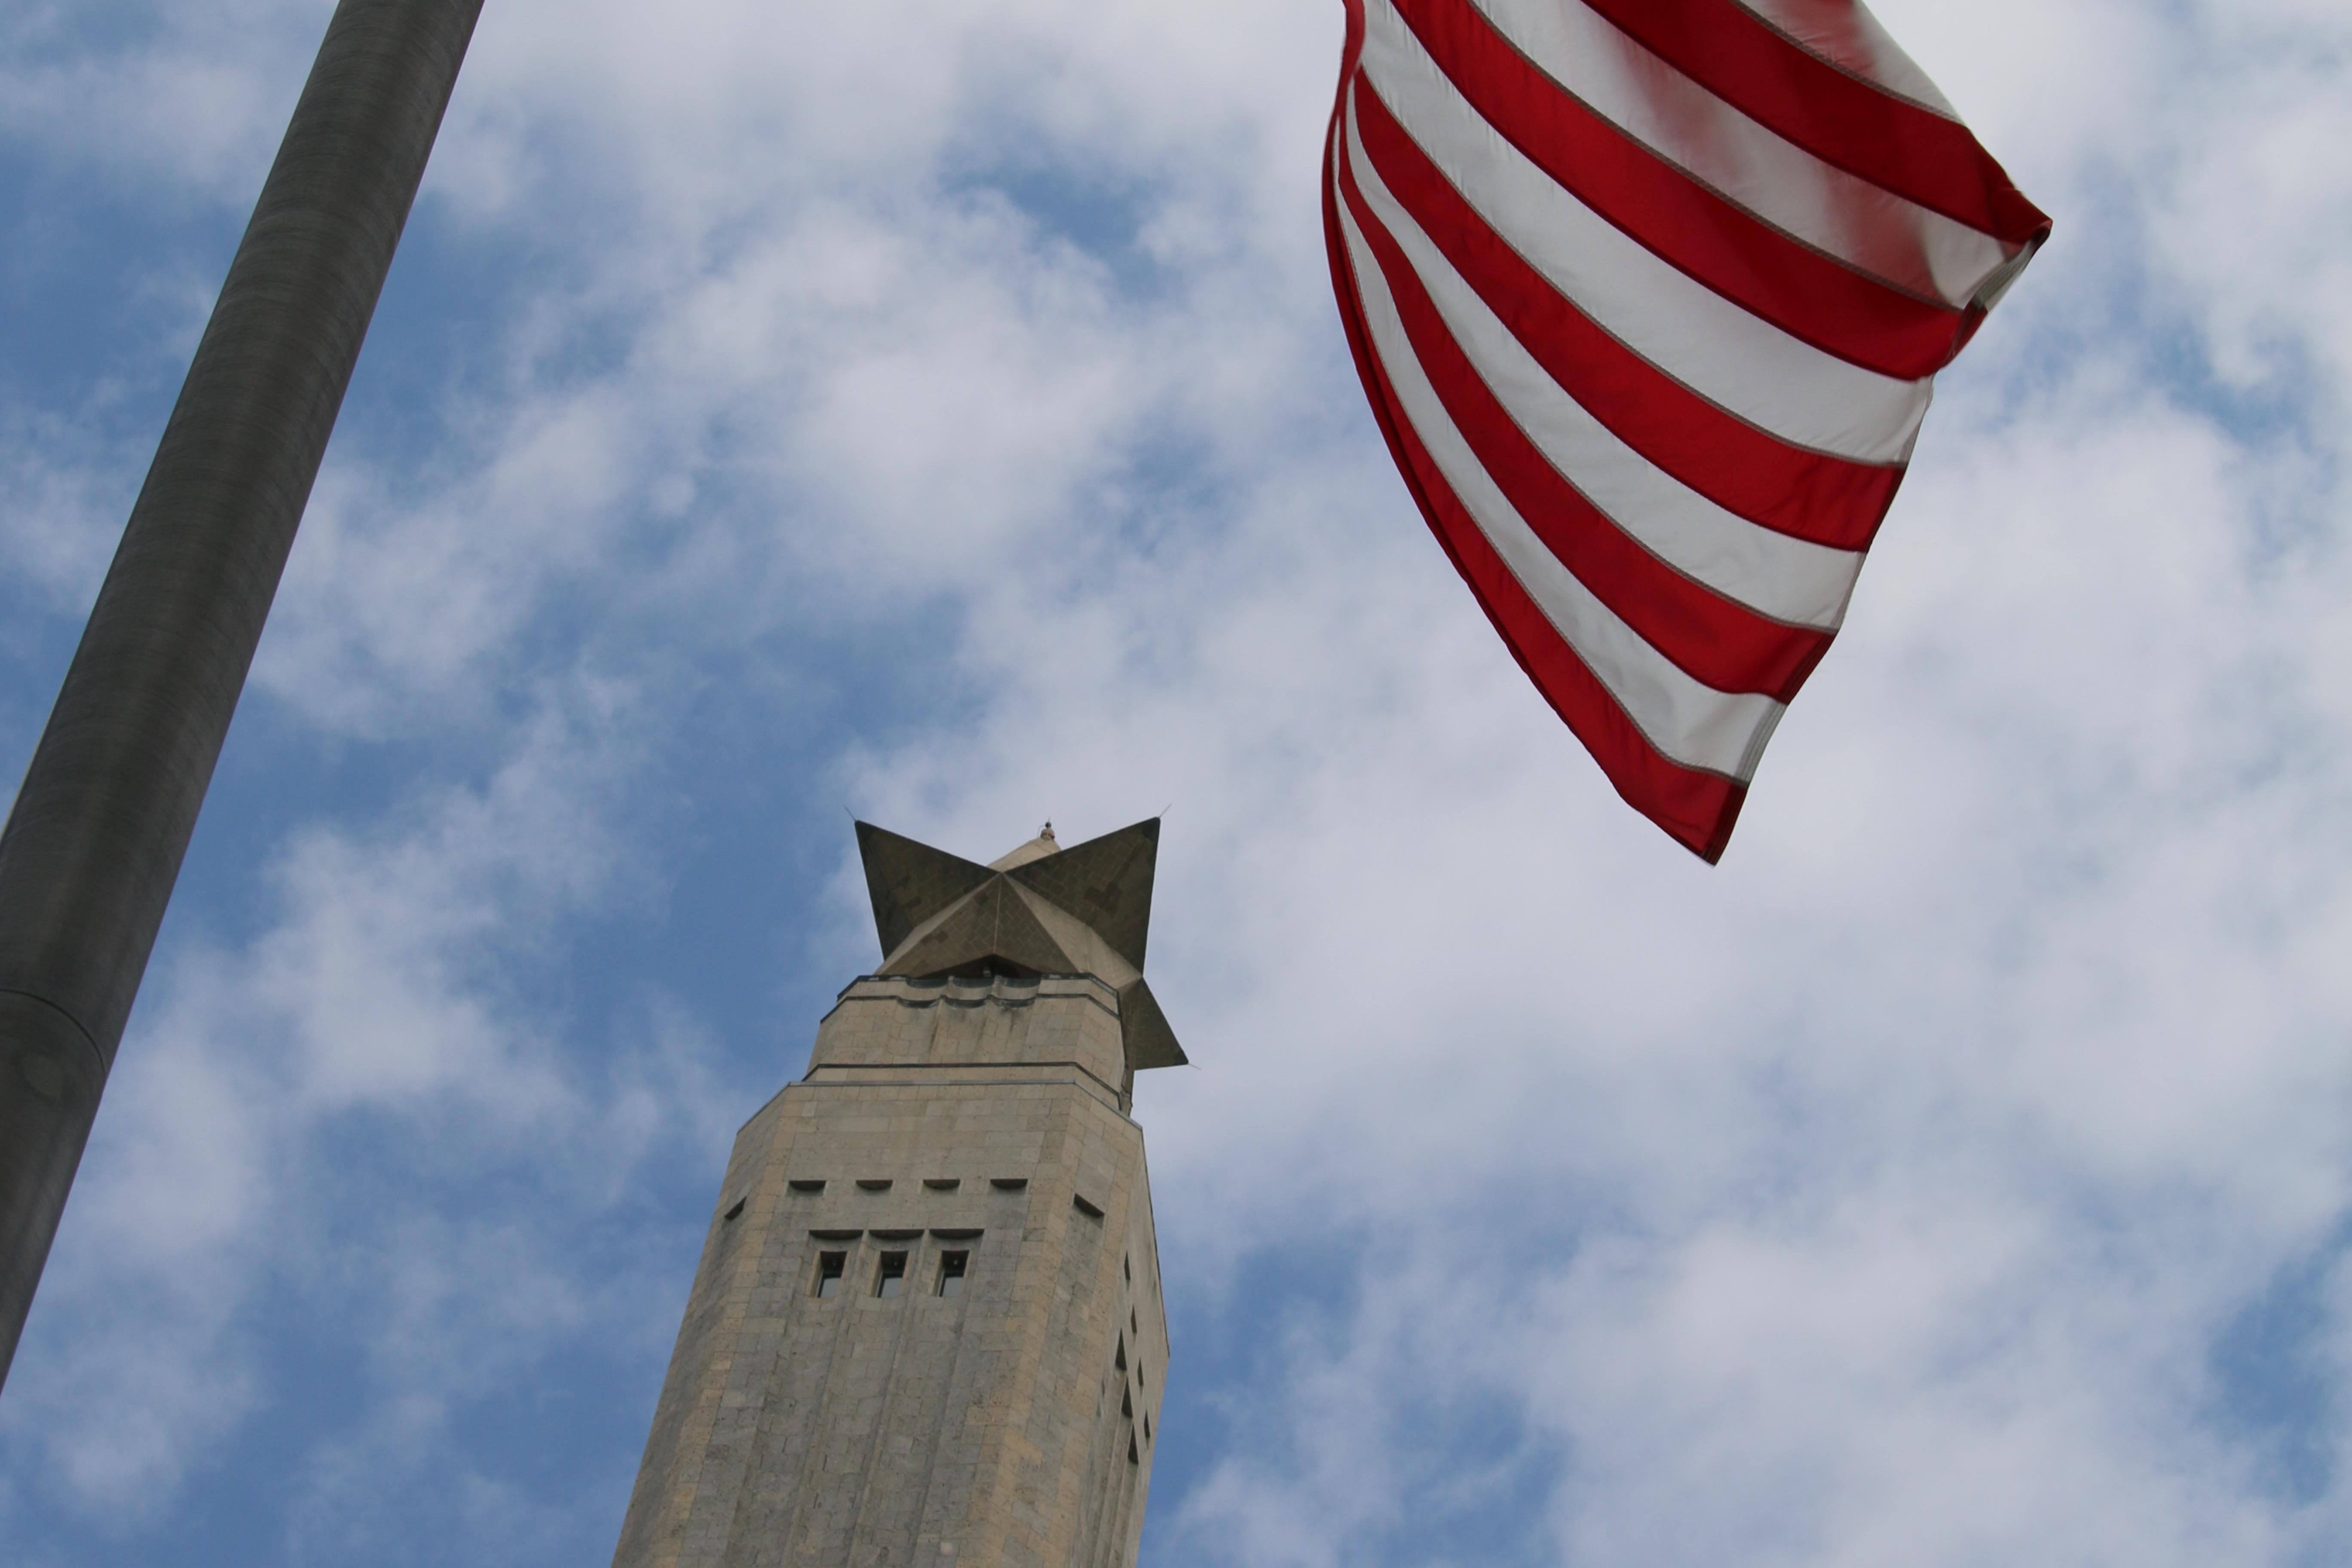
(1648, 296)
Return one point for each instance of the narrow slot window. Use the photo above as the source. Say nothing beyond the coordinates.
(891, 1278)
(1121, 1361)
(731, 1212)
(953, 1266)
(829, 1266)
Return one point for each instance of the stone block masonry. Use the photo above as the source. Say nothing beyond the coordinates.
(926, 1327)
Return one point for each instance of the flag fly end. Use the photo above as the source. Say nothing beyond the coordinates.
(1648, 297)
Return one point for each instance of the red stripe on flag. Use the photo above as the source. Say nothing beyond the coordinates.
(1697, 809)
(1806, 495)
(1708, 637)
(1813, 297)
(1840, 119)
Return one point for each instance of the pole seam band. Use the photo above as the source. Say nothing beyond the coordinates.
(105, 1069)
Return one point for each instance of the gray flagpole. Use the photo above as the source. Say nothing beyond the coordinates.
(103, 820)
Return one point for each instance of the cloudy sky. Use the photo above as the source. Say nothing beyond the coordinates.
(936, 412)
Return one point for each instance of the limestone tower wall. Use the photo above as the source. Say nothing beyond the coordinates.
(926, 1327)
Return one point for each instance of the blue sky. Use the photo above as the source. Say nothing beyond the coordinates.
(938, 412)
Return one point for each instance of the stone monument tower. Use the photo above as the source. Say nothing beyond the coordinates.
(926, 1327)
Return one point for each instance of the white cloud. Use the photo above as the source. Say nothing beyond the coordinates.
(64, 511)
(185, 101)
(384, 1001)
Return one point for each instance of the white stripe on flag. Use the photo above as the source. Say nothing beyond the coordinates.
(1845, 34)
(1785, 579)
(1746, 364)
(1786, 186)
(1684, 720)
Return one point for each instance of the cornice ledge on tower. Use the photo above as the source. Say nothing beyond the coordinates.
(1012, 990)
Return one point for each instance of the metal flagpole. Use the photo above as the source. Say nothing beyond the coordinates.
(95, 840)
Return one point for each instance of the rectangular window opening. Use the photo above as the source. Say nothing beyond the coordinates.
(1086, 1208)
(1008, 1183)
(890, 1277)
(731, 1212)
(952, 1268)
(829, 1266)
(801, 1184)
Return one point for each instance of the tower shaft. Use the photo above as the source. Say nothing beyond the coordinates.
(926, 1327)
